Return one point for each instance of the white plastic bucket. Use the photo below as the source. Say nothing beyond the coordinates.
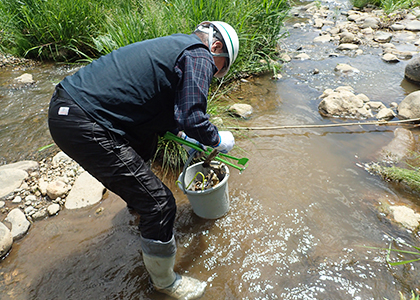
(212, 203)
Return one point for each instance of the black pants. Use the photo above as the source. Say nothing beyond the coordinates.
(110, 159)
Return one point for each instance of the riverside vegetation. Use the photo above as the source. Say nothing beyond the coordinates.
(80, 31)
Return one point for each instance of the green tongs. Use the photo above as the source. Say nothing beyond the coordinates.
(208, 151)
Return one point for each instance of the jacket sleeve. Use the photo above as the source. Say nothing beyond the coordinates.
(195, 69)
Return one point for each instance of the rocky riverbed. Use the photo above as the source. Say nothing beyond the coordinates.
(32, 190)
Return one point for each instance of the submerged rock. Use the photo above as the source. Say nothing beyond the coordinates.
(241, 109)
(402, 145)
(406, 216)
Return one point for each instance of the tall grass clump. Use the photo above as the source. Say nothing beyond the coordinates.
(257, 23)
(75, 30)
(387, 5)
(54, 30)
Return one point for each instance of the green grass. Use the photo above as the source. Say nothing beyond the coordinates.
(82, 30)
(387, 5)
(408, 177)
(68, 30)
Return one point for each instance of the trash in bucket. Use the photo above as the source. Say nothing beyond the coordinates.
(208, 200)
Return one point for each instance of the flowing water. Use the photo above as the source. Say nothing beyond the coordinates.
(300, 214)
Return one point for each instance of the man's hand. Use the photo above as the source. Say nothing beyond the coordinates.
(190, 150)
(226, 141)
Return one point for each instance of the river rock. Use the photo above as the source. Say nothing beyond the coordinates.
(409, 108)
(412, 70)
(385, 114)
(325, 38)
(241, 109)
(53, 209)
(59, 158)
(343, 104)
(363, 97)
(318, 23)
(346, 46)
(413, 26)
(406, 216)
(86, 191)
(12, 175)
(302, 56)
(10, 179)
(285, 57)
(25, 79)
(42, 186)
(390, 58)
(402, 145)
(39, 215)
(6, 240)
(348, 38)
(20, 225)
(345, 68)
(376, 105)
(25, 165)
(56, 189)
(382, 37)
(404, 55)
(370, 22)
(397, 27)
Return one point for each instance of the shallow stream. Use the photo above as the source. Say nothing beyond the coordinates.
(300, 214)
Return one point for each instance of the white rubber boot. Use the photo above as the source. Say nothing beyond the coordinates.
(159, 259)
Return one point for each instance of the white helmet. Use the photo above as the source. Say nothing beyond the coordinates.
(227, 34)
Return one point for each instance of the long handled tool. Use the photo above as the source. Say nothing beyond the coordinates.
(208, 151)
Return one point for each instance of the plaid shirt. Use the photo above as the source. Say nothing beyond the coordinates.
(195, 68)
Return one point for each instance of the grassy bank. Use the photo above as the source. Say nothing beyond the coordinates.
(82, 30)
(387, 5)
(71, 30)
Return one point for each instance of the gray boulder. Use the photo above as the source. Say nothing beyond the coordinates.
(343, 103)
(412, 70)
(409, 108)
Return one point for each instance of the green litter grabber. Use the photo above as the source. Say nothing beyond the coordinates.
(208, 151)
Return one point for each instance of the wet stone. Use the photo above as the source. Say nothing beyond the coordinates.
(20, 225)
(6, 240)
(413, 26)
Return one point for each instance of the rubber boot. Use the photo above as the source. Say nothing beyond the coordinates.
(164, 279)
